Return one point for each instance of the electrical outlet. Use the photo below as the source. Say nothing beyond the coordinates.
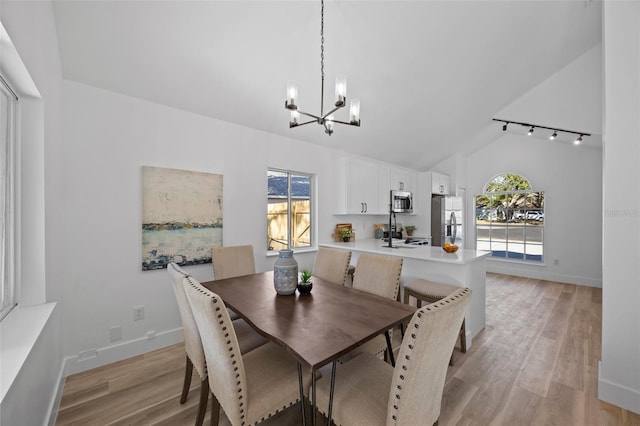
(138, 313)
(115, 333)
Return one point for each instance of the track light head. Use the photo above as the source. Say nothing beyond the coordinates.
(530, 131)
(504, 126)
(553, 135)
(578, 140)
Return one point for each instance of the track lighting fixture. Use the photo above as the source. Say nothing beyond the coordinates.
(532, 127)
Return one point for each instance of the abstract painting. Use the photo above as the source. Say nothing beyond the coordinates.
(181, 216)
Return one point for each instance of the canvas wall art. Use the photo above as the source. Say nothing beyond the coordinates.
(181, 216)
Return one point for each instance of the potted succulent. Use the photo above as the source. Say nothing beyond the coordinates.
(305, 284)
(409, 229)
(346, 235)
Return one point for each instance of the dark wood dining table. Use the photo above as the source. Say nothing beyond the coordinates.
(316, 329)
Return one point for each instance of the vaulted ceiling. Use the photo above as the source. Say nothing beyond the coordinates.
(430, 74)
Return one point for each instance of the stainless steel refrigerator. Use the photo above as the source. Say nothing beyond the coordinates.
(447, 220)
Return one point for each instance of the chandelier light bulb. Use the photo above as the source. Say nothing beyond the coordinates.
(578, 140)
(553, 135)
(504, 127)
(354, 114)
(292, 93)
(341, 89)
(530, 131)
(295, 115)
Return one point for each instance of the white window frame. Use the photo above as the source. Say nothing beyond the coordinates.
(312, 201)
(506, 226)
(8, 197)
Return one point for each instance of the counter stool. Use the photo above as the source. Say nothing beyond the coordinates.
(429, 291)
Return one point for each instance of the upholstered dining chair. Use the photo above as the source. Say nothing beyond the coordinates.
(379, 275)
(370, 392)
(431, 291)
(331, 265)
(248, 339)
(232, 261)
(249, 387)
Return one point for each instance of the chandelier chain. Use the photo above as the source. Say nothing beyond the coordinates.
(322, 39)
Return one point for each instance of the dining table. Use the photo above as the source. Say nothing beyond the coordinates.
(317, 328)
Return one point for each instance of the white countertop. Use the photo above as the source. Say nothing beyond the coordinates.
(430, 253)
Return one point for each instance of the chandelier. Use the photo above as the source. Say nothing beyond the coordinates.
(324, 119)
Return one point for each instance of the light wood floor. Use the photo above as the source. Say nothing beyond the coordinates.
(534, 364)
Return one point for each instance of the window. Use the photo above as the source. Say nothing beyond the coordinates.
(510, 219)
(289, 210)
(8, 102)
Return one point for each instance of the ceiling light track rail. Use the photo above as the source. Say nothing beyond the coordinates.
(532, 127)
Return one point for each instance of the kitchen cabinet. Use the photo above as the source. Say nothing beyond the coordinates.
(364, 187)
(357, 187)
(402, 180)
(440, 184)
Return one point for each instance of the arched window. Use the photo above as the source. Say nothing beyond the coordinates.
(510, 219)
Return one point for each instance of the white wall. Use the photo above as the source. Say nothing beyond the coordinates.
(31, 28)
(108, 138)
(619, 372)
(571, 178)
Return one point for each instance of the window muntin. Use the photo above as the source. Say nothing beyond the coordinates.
(510, 219)
(289, 220)
(8, 105)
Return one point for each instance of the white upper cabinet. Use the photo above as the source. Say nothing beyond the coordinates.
(402, 180)
(440, 184)
(357, 187)
(364, 187)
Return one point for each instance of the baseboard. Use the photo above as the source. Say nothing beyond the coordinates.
(619, 395)
(540, 273)
(114, 353)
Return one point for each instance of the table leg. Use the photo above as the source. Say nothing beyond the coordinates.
(333, 385)
(389, 348)
(304, 418)
(313, 397)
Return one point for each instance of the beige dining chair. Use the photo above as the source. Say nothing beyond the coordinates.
(248, 339)
(430, 292)
(380, 275)
(370, 392)
(331, 265)
(232, 261)
(249, 387)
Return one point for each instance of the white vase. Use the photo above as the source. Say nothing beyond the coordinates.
(285, 273)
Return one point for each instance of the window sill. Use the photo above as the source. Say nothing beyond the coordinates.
(515, 261)
(274, 253)
(19, 332)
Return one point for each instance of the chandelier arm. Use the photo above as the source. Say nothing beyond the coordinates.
(357, 123)
(302, 124)
(309, 115)
(331, 112)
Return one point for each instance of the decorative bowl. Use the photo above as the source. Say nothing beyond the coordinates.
(305, 288)
(450, 248)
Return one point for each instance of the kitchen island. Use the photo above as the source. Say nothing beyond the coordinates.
(463, 268)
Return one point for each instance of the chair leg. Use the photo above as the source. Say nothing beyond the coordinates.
(188, 371)
(204, 398)
(463, 337)
(215, 410)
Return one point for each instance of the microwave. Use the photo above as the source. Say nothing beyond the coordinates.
(401, 201)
